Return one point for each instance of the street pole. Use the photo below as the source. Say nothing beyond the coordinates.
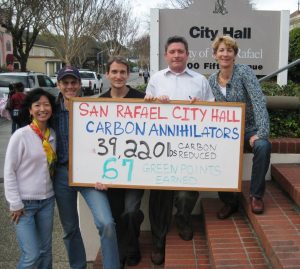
(102, 63)
(100, 53)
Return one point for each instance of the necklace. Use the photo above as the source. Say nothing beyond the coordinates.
(223, 81)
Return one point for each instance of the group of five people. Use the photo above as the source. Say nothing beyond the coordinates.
(41, 147)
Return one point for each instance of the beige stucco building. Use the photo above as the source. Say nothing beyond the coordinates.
(42, 59)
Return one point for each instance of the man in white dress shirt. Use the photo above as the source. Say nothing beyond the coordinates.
(176, 82)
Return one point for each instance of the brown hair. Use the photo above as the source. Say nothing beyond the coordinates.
(119, 60)
(228, 41)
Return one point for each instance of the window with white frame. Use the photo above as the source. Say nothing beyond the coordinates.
(8, 46)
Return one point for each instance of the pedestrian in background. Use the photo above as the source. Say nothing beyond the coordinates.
(15, 100)
(125, 203)
(29, 166)
(69, 84)
(238, 83)
(146, 76)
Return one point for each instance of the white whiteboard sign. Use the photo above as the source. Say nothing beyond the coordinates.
(135, 144)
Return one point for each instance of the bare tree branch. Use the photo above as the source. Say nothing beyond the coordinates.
(141, 50)
(120, 28)
(72, 22)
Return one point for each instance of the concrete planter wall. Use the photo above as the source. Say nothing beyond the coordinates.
(283, 102)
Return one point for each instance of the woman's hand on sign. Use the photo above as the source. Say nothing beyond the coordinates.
(16, 215)
(252, 140)
(163, 99)
(100, 187)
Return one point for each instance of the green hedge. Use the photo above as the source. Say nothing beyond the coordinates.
(283, 123)
(273, 89)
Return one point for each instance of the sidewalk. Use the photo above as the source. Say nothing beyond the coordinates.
(9, 250)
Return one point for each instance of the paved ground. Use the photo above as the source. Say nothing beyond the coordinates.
(9, 250)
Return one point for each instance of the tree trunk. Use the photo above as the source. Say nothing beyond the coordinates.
(23, 63)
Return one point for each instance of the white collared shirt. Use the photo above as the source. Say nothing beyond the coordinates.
(182, 86)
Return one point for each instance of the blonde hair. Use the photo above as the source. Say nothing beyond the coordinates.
(228, 41)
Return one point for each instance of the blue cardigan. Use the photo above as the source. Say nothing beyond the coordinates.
(244, 87)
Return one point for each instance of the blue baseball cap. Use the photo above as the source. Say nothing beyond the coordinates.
(68, 71)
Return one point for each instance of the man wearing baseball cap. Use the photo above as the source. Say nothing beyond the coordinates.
(69, 84)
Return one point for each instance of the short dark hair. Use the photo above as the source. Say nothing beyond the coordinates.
(119, 60)
(16, 87)
(31, 97)
(177, 39)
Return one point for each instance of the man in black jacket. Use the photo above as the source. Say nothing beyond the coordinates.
(125, 203)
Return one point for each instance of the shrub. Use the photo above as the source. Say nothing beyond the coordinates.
(141, 87)
(294, 54)
(283, 123)
(273, 89)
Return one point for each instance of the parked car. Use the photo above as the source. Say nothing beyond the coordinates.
(3, 112)
(135, 69)
(54, 79)
(91, 82)
(4, 90)
(30, 81)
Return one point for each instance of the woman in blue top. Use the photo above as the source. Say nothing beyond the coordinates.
(238, 83)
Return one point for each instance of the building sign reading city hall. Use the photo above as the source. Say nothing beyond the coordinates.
(257, 33)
